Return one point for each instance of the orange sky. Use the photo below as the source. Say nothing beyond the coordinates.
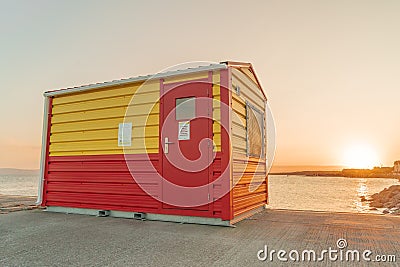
(330, 68)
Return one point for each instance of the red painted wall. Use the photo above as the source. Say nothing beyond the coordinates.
(105, 182)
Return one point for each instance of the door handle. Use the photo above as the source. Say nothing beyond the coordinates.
(166, 145)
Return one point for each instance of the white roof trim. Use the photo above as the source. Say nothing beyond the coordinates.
(135, 79)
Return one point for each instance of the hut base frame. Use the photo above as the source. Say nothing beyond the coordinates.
(153, 216)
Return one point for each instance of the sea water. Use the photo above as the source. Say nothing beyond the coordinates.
(22, 185)
(338, 194)
(294, 192)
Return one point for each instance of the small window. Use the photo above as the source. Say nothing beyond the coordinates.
(255, 131)
(185, 108)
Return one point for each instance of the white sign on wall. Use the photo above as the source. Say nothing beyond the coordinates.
(125, 134)
(184, 130)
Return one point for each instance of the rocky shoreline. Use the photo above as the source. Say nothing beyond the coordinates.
(388, 200)
(16, 203)
(377, 172)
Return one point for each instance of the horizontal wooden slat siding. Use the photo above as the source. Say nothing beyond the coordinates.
(101, 166)
(103, 144)
(101, 93)
(186, 77)
(243, 190)
(249, 179)
(141, 98)
(248, 89)
(96, 104)
(238, 124)
(238, 145)
(238, 105)
(248, 164)
(242, 205)
(79, 126)
(103, 181)
(87, 123)
(102, 152)
(249, 174)
(239, 120)
(105, 188)
(239, 131)
(103, 113)
(88, 135)
(249, 74)
(96, 176)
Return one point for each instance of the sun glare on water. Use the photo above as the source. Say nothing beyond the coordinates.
(360, 157)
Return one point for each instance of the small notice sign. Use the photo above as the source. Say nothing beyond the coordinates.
(184, 130)
(125, 134)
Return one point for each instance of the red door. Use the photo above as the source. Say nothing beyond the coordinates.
(186, 140)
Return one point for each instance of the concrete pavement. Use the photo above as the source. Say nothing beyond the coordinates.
(38, 238)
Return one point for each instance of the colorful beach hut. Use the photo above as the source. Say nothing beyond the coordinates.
(184, 145)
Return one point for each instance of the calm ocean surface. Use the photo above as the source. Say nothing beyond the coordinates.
(286, 192)
(22, 185)
(324, 193)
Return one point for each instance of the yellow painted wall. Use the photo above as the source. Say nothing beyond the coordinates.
(86, 123)
(217, 110)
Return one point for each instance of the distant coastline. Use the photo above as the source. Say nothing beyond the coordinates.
(377, 172)
(22, 172)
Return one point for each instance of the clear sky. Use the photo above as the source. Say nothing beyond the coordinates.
(331, 69)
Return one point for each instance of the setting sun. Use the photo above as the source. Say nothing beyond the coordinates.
(360, 157)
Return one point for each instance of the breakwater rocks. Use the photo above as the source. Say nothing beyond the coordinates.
(389, 199)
